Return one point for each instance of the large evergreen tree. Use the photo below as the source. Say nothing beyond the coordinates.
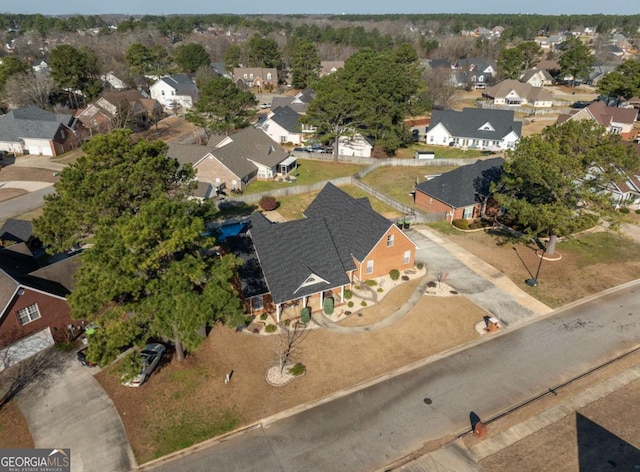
(556, 182)
(305, 64)
(576, 59)
(151, 274)
(114, 177)
(622, 83)
(76, 69)
(221, 106)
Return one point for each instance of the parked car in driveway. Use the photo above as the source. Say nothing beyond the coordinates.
(151, 355)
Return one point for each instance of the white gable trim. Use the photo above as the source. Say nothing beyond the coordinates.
(312, 279)
(486, 127)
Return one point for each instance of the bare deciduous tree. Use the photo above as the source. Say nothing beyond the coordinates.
(289, 340)
(28, 89)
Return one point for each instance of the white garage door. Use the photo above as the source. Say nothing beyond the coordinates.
(24, 348)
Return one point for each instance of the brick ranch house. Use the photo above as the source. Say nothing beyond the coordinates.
(460, 192)
(340, 241)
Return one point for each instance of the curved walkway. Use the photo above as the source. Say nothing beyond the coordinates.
(467, 274)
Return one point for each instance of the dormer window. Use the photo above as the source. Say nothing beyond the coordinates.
(486, 127)
(251, 76)
(269, 76)
(246, 76)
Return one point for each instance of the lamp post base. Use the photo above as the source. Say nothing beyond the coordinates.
(531, 282)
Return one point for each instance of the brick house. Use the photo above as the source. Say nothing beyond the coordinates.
(33, 130)
(460, 192)
(34, 312)
(615, 120)
(340, 241)
(260, 77)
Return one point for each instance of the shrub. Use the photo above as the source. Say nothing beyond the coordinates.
(638, 211)
(305, 315)
(380, 290)
(298, 369)
(327, 306)
(348, 294)
(287, 323)
(363, 303)
(405, 277)
(264, 316)
(350, 304)
(394, 274)
(420, 265)
(270, 328)
(371, 283)
(624, 210)
(476, 225)
(268, 203)
(460, 223)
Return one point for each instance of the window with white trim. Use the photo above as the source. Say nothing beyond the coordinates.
(369, 267)
(407, 257)
(28, 314)
(269, 76)
(257, 303)
(468, 213)
(390, 240)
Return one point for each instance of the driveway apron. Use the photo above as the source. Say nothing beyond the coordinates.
(69, 409)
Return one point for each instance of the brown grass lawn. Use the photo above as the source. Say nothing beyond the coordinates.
(590, 263)
(186, 403)
(14, 431)
(398, 182)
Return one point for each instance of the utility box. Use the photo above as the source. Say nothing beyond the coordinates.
(425, 155)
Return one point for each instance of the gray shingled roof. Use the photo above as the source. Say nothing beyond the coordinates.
(291, 252)
(31, 122)
(16, 230)
(187, 153)
(252, 282)
(361, 227)
(460, 187)
(287, 118)
(182, 84)
(467, 123)
(249, 144)
(19, 267)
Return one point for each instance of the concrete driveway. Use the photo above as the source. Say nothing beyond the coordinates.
(68, 408)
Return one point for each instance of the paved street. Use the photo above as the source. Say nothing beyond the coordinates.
(24, 203)
(375, 426)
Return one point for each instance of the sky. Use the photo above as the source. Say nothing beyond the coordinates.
(163, 7)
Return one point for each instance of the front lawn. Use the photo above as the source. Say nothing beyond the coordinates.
(308, 172)
(590, 263)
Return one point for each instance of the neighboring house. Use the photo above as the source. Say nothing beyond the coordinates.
(298, 103)
(172, 90)
(536, 77)
(33, 130)
(283, 126)
(418, 128)
(462, 192)
(113, 81)
(221, 70)
(474, 128)
(33, 308)
(340, 241)
(41, 67)
(550, 42)
(236, 160)
(473, 72)
(512, 92)
(258, 77)
(329, 67)
(120, 109)
(355, 145)
(18, 231)
(625, 191)
(597, 73)
(615, 120)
